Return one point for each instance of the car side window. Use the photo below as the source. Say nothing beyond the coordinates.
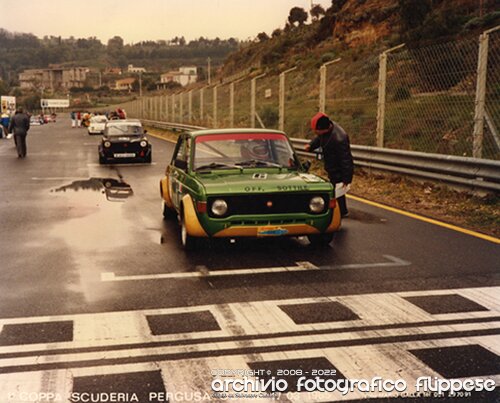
(181, 157)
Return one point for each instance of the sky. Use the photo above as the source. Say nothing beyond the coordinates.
(138, 20)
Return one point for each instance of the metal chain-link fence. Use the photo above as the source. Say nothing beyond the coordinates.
(442, 98)
(430, 98)
(351, 97)
(491, 141)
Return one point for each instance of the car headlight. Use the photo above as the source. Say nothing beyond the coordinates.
(219, 207)
(317, 204)
(107, 144)
(144, 143)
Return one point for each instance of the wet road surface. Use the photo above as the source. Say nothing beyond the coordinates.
(96, 290)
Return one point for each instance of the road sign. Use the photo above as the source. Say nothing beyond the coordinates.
(54, 103)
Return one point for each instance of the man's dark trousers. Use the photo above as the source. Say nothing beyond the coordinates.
(20, 140)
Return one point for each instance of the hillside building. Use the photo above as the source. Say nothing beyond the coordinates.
(53, 78)
(184, 76)
(132, 69)
(124, 84)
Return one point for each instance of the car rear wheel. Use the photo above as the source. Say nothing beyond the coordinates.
(148, 158)
(321, 239)
(168, 212)
(188, 242)
(102, 160)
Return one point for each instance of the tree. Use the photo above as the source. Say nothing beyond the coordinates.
(297, 15)
(337, 5)
(262, 37)
(115, 45)
(316, 12)
(276, 33)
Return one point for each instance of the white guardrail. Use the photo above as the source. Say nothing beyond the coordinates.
(473, 173)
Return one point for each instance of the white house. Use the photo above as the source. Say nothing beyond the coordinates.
(184, 76)
(132, 69)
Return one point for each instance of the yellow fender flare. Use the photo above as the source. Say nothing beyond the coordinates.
(193, 226)
(165, 194)
(336, 220)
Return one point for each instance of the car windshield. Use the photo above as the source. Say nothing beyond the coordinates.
(124, 130)
(241, 150)
(99, 119)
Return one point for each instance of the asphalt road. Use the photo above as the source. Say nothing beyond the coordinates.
(96, 289)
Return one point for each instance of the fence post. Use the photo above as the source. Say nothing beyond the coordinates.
(201, 104)
(166, 108)
(231, 101)
(190, 106)
(282, 99)
(382, 78)
(181, 107)
(173, 107)
(322, 84)
(253, 87)
(231, 104)
(215, 106)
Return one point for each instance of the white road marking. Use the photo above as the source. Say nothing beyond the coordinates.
(255, 318)
(389, 360)
(279, 342)
(301, 266)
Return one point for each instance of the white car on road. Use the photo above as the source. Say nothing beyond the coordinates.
(97, 124)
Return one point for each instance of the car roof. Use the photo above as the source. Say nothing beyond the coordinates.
(197, 133)
(122, 122)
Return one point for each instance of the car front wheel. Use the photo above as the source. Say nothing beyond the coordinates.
(321, 239)
(188, 242)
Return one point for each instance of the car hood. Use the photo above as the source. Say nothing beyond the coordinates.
(262, 182)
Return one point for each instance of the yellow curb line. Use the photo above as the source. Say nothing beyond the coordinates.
(161, 138)
(428, 220)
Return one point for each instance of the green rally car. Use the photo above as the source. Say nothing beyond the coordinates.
(245, 183)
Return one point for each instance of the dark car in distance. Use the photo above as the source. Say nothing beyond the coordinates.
(123, 141)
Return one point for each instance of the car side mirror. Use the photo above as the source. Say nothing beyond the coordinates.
(181, 164)
(145, 131)
(306, 165)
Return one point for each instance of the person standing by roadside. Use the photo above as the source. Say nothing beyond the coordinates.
(72, 115)
(19, 125)
(5, 125)
(79, 118)
(336, 150)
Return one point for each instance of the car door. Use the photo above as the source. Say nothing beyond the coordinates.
(178, 171)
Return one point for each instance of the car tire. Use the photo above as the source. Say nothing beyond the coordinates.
(168, 213)
(102, 160)
(321, 239)
(188, 242)
(149, 158)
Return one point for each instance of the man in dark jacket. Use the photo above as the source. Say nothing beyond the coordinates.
(336, 150)
(19, 125)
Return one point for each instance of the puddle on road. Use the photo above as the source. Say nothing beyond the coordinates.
(114, 189)
(95, 226)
